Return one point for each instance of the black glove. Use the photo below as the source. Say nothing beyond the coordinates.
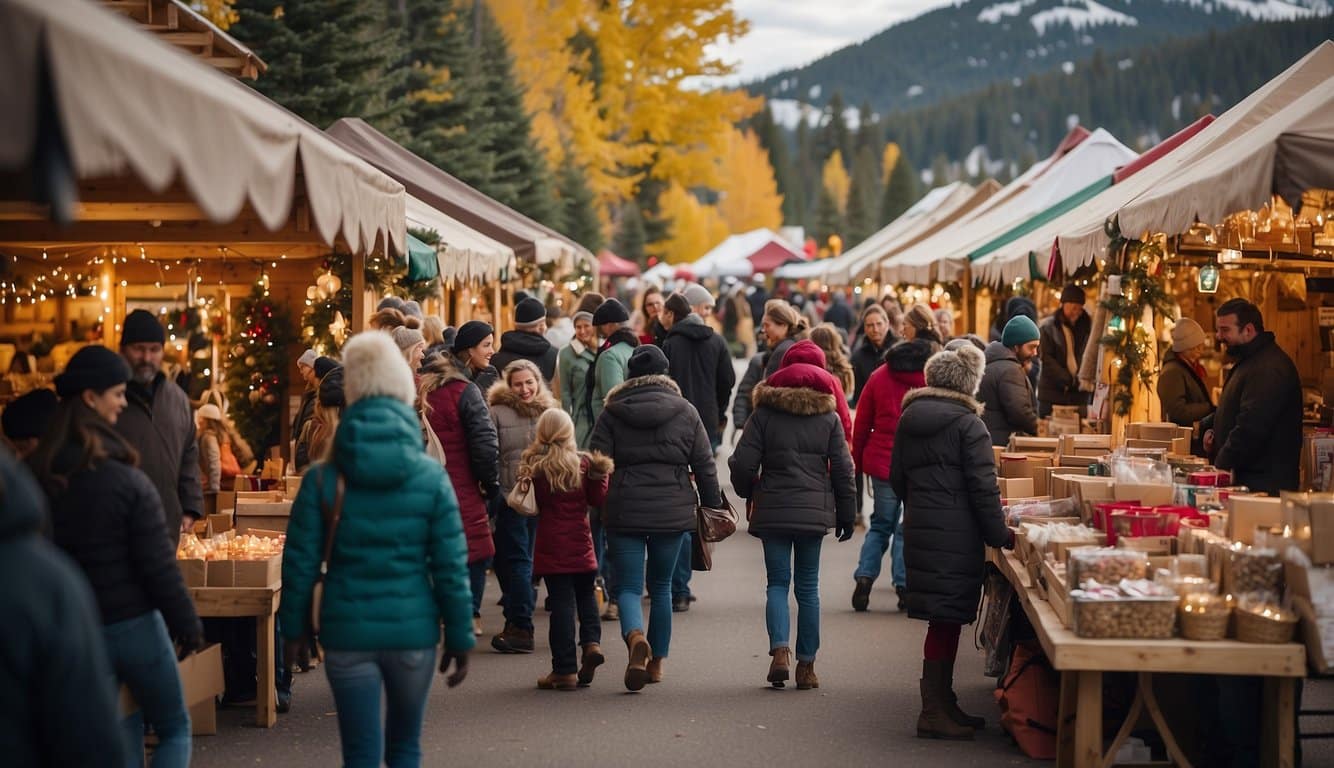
(460, 662)
(188, 644)
(491, 491)
(843, 532)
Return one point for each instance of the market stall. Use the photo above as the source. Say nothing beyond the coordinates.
(759, 251)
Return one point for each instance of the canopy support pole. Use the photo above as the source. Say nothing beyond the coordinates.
(359, 317)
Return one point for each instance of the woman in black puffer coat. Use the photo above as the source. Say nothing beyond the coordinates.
(943, 470)
(107, 515)
(656, 439)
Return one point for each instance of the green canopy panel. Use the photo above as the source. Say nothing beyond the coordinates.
(1058, 209)
(422, 262)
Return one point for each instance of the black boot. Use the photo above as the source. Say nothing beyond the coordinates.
(861, 594)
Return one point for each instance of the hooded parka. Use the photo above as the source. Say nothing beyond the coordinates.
(866, 358)
(159, 423)
(457, 413)
(526, 345)
(882, 403)
(1007, 396)
(564, 542)
(1258, 426)
(572, 367)
(656, 441)
(700, 363)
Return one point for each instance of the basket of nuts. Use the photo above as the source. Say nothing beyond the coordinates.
(1138, 609)
(1255, 570)
(1106, 566)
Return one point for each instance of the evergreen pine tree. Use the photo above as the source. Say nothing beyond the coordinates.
(834, 132)
(861, 212)
(327, 58)
(630, 234)
(828, 221)
(578, 206)
(656, 226)
(808, 175)
(789, 186)
(900, 191)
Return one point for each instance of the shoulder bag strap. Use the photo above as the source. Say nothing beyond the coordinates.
(332, 516)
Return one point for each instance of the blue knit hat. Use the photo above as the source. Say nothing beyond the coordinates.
(1020, 330)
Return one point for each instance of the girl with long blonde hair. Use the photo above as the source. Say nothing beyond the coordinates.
(827, 338)
(566, 482)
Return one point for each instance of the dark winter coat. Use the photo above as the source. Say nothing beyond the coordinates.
(1007, 396)
(656, 441)
(1258, 426)
(774, 359)
(516, 427)
(526, 345)
(1056, 385)
(484, 378)
(701, 364)
(399, 565)
(1020, 305)
(742, 404)
(792, 462)
(865, 359)
(882, 404)
(944, 472)
(109, 519)
(840, 314)
(57, 703)
(564, 542)
(159, 423)
(458, 414)
(303, 415)
(1184, 396)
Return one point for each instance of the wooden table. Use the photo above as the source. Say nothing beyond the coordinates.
(1082, 662)
(261, 603)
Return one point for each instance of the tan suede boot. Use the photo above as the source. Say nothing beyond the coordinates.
(806, 678)
(780, 666)
(636, 672)
(935, 722)
(655, 669)
(555, 682)
(591, 659)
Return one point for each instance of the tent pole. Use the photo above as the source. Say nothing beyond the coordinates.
(358, 320)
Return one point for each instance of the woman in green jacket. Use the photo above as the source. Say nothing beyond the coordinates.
(399, 563)
(572, 372)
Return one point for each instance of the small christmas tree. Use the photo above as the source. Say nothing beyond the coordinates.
(257, 367)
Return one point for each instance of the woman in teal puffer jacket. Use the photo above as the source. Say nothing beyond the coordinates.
(399, 564)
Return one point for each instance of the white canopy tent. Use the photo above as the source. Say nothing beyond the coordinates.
(945, 256)
(1219, 170)
(731, 257)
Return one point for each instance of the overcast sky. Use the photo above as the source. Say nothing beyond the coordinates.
(789, 33)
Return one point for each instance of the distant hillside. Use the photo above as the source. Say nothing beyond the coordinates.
(961, 48)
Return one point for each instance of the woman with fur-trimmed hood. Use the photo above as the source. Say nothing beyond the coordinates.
(943, 470)
(456, 410)
(793, 464)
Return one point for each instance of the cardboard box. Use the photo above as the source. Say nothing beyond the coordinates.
(194, 571)
(258, 573)
(272, 516)
(1024, 444)
(1058, 482)
(219, 523)
(1307, 589)
(1246, 513)
(1145, 494)
(220, 573)
(1014, 465)
(1316, 512)
(1152, 545)
(1016, 487)
(1038, 467)
(291, 486)
(201, 682)
(1153, 430)
(996, 452)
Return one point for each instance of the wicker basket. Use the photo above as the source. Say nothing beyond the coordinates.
(1254, 628)
(1206, 625)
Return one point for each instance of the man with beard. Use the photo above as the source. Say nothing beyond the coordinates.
(1257, 429)
(159, 424)
(1006, 391)
(1064, 335)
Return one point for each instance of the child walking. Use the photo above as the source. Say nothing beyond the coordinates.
(566, 482)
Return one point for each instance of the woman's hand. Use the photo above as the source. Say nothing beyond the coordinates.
(460, 662)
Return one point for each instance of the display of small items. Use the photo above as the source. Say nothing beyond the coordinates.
(230, 547)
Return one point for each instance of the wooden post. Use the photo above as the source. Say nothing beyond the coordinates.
(111, 313)
(357, 322)
(967, 300)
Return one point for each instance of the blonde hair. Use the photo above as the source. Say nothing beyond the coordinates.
(827, 338)
(780, 312)
(433, 328)
(553, 454)
(525, 365)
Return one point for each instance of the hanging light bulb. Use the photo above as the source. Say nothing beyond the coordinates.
(1207, 280)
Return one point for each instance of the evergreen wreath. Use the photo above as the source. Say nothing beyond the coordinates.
(1138, 263)
(323, 311)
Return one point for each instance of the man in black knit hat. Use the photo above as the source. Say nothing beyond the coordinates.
(526, 341)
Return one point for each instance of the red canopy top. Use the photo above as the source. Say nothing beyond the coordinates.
(772, 256)
(611, 265)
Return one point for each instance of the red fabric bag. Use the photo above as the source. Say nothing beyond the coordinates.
(1029, 698)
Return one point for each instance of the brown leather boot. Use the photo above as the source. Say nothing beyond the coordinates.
(513, 640)
(806, 678)
(589, 661)
(952, 701)
(655, 669)
(555, 682)
(636, 672)
(780, 666)
(934, 722)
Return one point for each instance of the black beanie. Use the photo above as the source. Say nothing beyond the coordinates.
(323, 365)
(610, 311)
(28, 416)
(331, 388)
(1072, 294)
(646, 360)
(141, 326)
(471, 334)
(94, 367)
(530, 311)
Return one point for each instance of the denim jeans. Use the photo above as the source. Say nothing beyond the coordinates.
(627, 554)
(780, 553)
(886, 524)
(357, 679)
(571, 595)
(477, 581)
(514, 564)
(681, 574)
(605, 568)
(144, 660)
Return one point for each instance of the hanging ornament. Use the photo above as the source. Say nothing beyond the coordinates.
(238, 350)
(250, 361)
(269, 398)
(254, 396)
(338, 327)
(312, 292)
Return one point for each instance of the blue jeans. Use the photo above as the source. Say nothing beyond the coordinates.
(357, 679)
(144, 660)
(780, 553)
(681, 573)
(514, 564)
(886, 521)
(600, 550)
(627, 554)
(477, 581)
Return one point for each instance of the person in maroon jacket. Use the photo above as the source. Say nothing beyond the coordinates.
(878, 413)
(566, 483)
(457, 411)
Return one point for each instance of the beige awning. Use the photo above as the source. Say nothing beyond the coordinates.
(465, 255)
(129, 104)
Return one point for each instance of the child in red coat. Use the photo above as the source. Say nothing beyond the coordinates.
(566, 482)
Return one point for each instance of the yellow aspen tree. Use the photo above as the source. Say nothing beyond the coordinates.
(748, 194)
(834, 177)
(696, 227)
(888, 160)
(220, 12)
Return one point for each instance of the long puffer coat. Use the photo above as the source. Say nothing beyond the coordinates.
(400, 560)
(458, 415)
(656, 440)
(1007, 396)
(793, 460)
(564, 542)
(516, 426)
(882, 403)
(700, 363)
(1258, 426)
(944, 472)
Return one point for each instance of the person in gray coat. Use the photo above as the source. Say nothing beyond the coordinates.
(1006, 391)
(1181, 383)
(159, 423)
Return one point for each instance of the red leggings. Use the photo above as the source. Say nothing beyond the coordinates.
(942, 641)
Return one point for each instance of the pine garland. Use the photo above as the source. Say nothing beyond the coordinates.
(1138, 264)
(257, 367)
(323, 311)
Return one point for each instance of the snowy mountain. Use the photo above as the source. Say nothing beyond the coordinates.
(975, 43)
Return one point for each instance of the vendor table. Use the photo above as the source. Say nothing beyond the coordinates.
(1081, 663)
(261, 603)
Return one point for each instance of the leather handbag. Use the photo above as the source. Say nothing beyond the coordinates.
(433, 447)
(333, 514)
(522, 498)
(712, 525)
